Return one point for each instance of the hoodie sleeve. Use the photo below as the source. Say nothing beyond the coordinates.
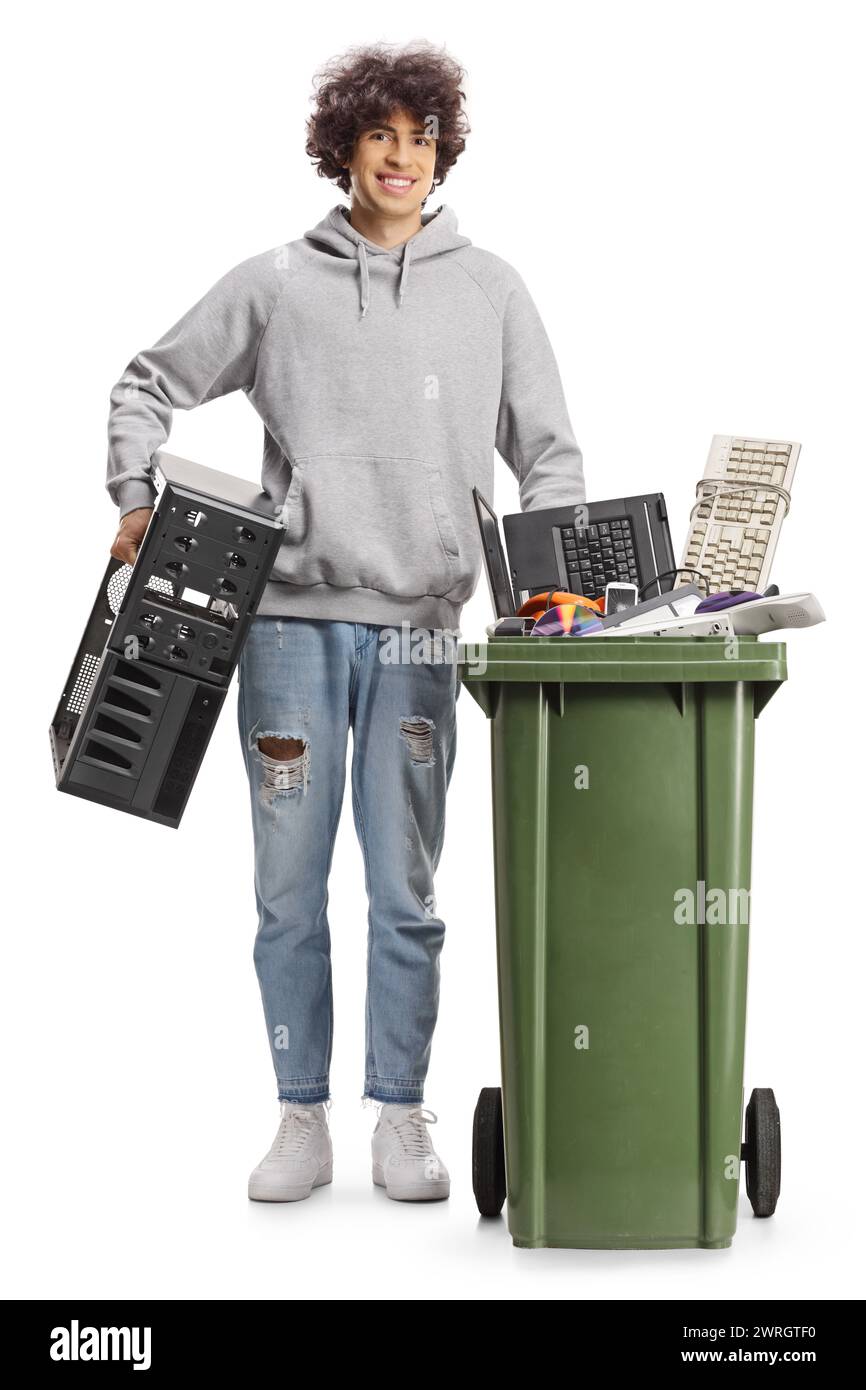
(209, 352)
(533, 431)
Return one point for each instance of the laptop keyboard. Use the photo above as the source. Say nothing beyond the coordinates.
(598, 555)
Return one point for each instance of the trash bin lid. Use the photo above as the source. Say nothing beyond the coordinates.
(617, 660)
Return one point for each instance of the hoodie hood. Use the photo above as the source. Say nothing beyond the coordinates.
(336, 234)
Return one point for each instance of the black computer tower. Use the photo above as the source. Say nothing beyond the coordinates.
(162, 643)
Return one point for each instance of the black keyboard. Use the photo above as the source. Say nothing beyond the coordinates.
(598, 555)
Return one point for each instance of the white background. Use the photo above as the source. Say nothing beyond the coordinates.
(681, 187)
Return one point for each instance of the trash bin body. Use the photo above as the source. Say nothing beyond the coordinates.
(622, 782)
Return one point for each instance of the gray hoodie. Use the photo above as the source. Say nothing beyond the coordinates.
(384, 380)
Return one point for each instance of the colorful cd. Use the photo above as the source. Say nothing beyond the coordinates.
(566, 620)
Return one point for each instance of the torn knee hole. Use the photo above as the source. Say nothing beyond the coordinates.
(286, 764)
(283, 749)
(417, 734)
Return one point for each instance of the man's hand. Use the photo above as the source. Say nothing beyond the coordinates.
(129, 536)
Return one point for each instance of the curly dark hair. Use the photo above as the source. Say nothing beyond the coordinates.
(360, 89)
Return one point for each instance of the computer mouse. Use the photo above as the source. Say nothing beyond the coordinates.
(716, 602)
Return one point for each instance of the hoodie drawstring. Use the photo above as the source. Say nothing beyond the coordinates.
(365, 274)
(404, 273)
(365, 278)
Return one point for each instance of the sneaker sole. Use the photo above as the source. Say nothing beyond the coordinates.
(265, 1192)
(430, 1191)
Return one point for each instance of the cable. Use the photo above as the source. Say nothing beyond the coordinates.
(717, 485)
(667, 574)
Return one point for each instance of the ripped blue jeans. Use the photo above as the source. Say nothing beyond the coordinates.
(303, 684)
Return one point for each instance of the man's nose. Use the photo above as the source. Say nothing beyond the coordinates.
(401, 156)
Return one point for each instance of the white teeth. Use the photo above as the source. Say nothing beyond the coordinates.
(397, 183)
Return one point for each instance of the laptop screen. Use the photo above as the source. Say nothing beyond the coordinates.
(494, 558)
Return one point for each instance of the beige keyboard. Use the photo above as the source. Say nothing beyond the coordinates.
(743, 499)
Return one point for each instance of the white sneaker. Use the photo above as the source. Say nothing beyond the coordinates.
(404, 1160)
(300, 1157)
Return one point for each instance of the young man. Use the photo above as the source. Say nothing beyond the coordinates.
(387, 357)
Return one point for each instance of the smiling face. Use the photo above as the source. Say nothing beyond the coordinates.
(392, 167)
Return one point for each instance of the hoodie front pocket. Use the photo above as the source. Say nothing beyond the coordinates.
(369, 522)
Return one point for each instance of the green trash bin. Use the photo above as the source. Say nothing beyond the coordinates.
(622, 775)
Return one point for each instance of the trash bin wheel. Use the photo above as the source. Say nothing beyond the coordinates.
(488, 1152)
(762, 1152)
